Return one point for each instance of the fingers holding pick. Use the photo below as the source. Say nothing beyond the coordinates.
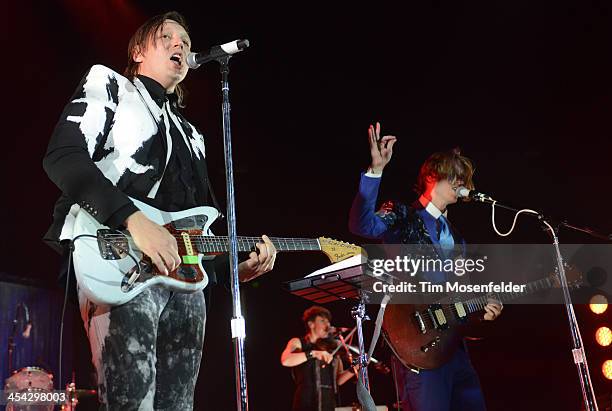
(259, 262)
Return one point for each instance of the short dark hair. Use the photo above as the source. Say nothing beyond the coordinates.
(449, 165)
(140, 40)
(315, 311)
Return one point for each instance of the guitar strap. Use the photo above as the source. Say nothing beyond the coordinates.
(214, 199)
(378, 325)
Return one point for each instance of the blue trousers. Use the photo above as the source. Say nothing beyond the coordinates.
(451, 387)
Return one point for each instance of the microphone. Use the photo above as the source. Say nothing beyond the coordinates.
(195, 60)
(463, 192)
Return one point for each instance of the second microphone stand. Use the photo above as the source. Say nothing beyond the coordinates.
(588, 393)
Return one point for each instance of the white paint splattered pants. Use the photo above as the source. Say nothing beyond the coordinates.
(147, 352)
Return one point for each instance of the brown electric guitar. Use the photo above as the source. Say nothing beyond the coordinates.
(427, 336)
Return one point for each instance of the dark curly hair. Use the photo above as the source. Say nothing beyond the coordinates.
(450, 165)
(313, 312)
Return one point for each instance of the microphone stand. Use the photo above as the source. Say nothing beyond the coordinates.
(11, 344)
(359, 314)
(588, 393)
(237, 322)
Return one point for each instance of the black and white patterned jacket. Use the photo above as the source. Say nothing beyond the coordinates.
(112, 140)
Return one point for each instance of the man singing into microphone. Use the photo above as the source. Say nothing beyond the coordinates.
(123, 136)
(454, 385)
(316, 373)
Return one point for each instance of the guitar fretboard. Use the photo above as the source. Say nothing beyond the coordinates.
(478, 303)
(220, 244)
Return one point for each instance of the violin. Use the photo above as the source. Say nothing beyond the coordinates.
(328, 344)
(333, 345)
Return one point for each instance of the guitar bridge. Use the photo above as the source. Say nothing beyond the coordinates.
(113, 244)
(420, 322)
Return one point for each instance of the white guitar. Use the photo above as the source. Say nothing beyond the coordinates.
(111, 270)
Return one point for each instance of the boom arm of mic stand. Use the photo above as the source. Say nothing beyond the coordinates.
(554, 222)
(587, 230)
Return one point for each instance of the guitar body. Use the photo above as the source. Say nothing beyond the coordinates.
(111, 270)
(417, 349)
(103, 268)
(426, 336)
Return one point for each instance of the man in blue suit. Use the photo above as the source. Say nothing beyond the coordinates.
(453, 386)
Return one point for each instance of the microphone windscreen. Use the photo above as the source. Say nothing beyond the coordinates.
(191, 61)
(462, 192)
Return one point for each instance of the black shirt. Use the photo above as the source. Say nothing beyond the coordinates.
(177, 190)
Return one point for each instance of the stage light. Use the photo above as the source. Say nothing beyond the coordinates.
(606, 368)
(598, 304)
(603, 336)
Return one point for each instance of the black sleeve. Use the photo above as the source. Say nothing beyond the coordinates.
(79, 137)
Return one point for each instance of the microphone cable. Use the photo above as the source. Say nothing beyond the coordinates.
(525, 210)
(61, 333)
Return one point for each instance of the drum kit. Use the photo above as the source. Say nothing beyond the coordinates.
(32, 388)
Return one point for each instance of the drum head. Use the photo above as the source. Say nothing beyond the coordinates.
(30, 378)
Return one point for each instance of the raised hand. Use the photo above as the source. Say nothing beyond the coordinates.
(381, 149)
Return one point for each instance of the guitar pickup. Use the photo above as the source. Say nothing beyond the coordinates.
(112, 244)
(195, 222)
(460, 312)
(438, 316)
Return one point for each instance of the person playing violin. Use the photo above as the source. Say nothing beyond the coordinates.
(316, 372)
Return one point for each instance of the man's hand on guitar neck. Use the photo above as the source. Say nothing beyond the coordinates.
(259, 262)
(493, 309)
(155, 241)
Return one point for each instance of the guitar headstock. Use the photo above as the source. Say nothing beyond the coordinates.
(338, 250)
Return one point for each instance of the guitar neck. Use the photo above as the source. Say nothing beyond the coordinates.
(220, 244)
(478, 303)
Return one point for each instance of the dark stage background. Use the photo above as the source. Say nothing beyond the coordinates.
(523, 87)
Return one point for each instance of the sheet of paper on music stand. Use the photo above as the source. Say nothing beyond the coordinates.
(349, 262)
